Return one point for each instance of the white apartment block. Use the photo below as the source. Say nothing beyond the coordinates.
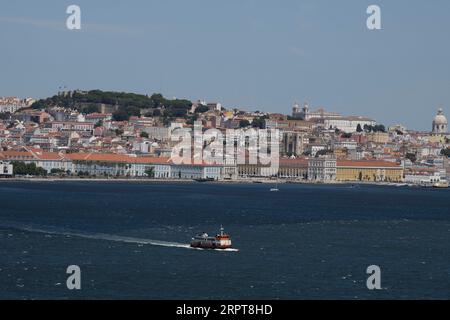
(6, 169)
(348, 124)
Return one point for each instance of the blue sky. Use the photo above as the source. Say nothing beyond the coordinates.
(254, 54)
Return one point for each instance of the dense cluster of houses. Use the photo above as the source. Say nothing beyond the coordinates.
(314, 145)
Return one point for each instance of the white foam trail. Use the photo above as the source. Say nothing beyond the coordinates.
(108, 237)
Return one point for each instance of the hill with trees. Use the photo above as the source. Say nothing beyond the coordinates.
(126, 104)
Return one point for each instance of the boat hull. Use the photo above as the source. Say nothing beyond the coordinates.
(222, 241)
(209, 245)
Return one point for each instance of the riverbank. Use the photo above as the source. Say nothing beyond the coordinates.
(178, 181)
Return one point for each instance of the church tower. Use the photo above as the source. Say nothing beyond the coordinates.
(440, 123)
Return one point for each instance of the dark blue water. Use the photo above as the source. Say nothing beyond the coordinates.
(304, 242)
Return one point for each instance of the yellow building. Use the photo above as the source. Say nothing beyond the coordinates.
(288, 168)
(368, 171)
(340, 153)
(378, 137)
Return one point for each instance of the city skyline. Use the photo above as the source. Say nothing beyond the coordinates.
(317, 52)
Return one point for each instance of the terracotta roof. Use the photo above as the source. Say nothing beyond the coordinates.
(33, 154)
(293, 162)
(13, 154)
(367, 164)
(112, 157)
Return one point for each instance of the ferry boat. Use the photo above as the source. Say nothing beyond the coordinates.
(221, 241)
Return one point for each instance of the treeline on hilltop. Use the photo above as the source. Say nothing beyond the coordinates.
(128, 104)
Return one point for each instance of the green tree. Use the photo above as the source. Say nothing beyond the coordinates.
(98, 124)
(57, 171)
(144, 134)
(89, 108)
(359, 129)
(346, 135)
(150, 172)
(121, 115)
(158, 100)
(259, 123)
(446, 152)
(128, 104)
(412, 157)
(201, 109)
(244, 124)
(379, 128)
(21, 168)
(5, 116)
(322, 153)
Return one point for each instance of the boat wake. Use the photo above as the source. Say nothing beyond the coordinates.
(103, 236)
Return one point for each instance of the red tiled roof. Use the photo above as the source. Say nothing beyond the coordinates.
(293, 162)
(32, 154)
(112, 157)
(367, 164)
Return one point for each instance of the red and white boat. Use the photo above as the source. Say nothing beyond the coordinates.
(221, 241)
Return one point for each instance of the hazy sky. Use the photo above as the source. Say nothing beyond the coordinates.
(254, 54)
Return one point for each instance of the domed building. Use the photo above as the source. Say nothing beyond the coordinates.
(440, 123)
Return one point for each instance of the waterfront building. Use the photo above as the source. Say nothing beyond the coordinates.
(249, 170)
(45, 160)
(293, 169)
(102, 164)
(368, 171)
(194, 171)
(6, 169)
(229, 169)
(322, 169)
(424, 176)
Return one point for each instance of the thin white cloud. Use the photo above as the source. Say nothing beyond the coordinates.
(61, 26)
(47, 24)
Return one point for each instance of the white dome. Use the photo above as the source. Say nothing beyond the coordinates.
(440, 118)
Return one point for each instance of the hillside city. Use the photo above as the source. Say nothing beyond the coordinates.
(109, 135)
